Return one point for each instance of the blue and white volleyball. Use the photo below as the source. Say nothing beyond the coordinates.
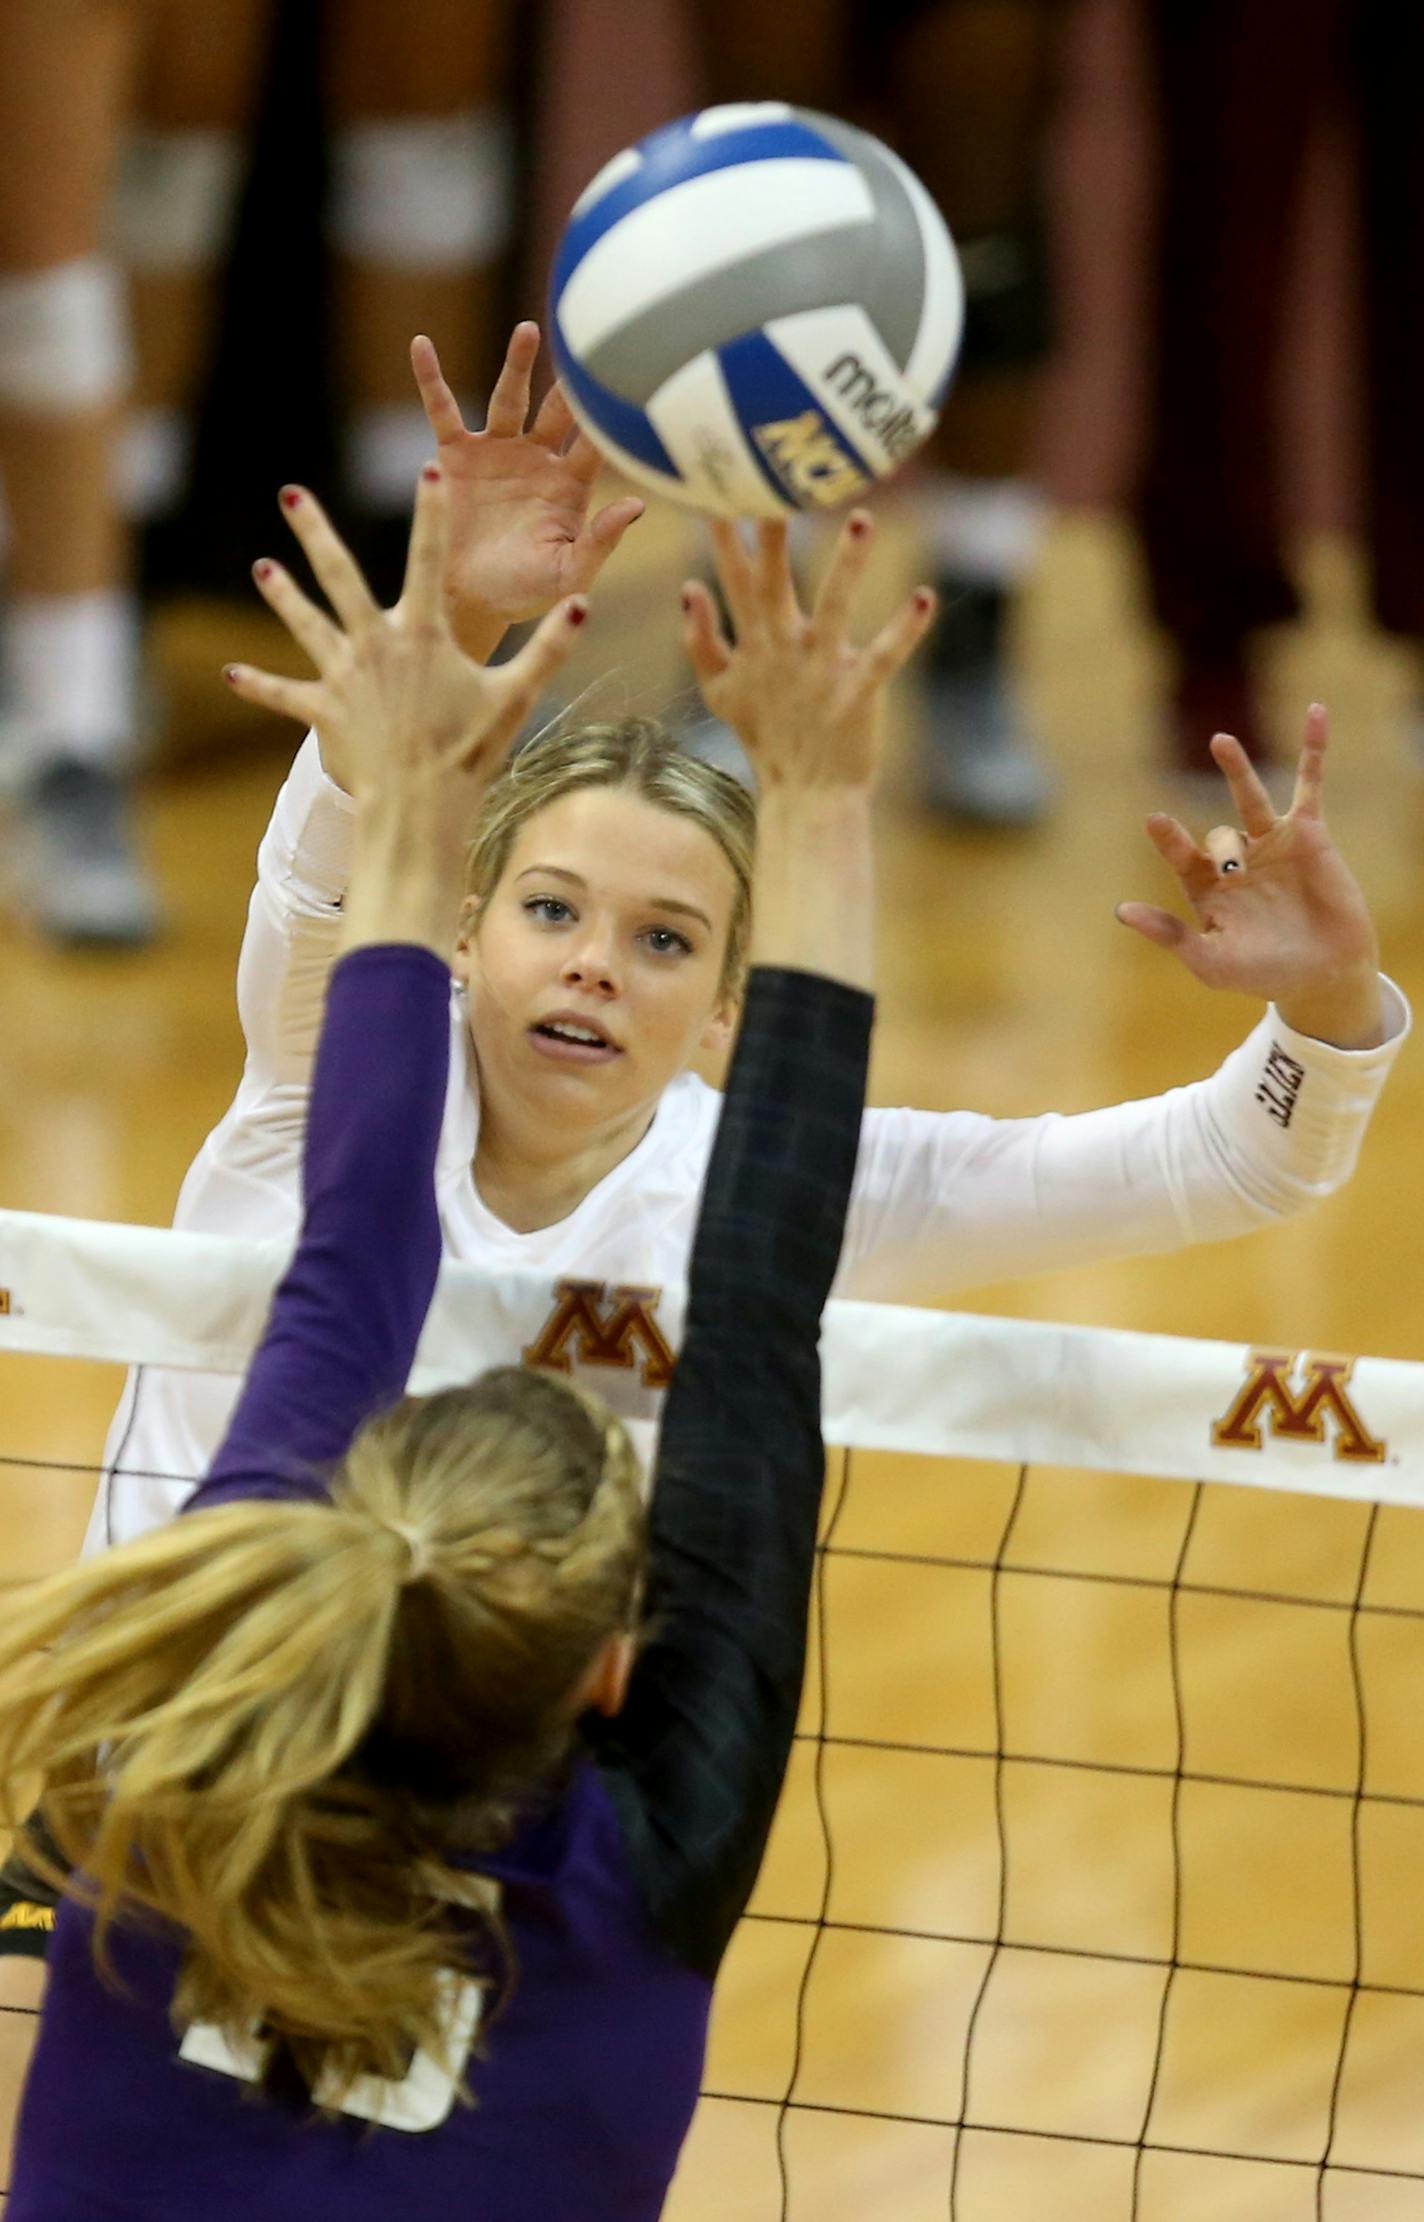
(756, 309)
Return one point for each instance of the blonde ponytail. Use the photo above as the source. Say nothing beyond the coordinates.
(280, 1726)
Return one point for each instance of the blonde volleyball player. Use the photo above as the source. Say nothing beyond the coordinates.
(415, 1776)
(601, 951)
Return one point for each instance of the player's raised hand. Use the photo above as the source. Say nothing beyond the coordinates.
(1277, 911)
(522, 534)
(805, 700)
(396, 702)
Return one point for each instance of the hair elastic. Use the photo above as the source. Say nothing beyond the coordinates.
(417, 1542)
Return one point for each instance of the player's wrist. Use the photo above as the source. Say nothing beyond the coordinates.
(476, 628)
(1347, 1011)
(810, 810)
(406, 883)
(814, 885)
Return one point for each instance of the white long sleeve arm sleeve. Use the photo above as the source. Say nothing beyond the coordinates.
(293, 924)
(970, 1200)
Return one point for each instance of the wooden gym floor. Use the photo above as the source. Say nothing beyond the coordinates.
(1006, 986)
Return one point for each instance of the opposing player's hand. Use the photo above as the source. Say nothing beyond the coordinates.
(1277, 911)
(521, 533)
(806, 702)
(396, 702)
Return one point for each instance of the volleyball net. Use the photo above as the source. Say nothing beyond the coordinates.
(1095, 1891)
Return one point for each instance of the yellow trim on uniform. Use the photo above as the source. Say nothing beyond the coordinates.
(24, 1915)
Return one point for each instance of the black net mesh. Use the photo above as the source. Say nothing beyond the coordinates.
(1094, 1892)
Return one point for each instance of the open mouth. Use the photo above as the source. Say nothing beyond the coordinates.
(573, 1040)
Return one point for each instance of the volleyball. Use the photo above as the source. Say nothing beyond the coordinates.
(756, 309)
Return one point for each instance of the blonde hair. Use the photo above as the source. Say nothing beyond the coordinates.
(280, 1725)
(640, 755)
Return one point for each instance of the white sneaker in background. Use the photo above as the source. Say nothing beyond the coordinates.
(77, 874)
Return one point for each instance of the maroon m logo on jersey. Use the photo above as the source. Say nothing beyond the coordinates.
(600, 1329)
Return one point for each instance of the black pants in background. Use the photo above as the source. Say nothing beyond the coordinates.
(1240, 85)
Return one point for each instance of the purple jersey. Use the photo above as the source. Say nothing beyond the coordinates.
(619, 1896)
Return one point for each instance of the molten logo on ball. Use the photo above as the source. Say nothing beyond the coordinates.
(887, 414)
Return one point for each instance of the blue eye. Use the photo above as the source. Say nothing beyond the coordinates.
(548, 908)
(663, 941)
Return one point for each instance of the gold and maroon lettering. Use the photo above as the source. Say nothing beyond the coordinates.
(602, 1330)
(1298, 1415)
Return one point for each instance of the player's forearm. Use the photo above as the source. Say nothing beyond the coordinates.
(738, 1489)
(815, 884)
(407, 875)
(346, 1319)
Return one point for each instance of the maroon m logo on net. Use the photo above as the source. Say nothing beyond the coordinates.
(602, 1328)
(1298, 1415)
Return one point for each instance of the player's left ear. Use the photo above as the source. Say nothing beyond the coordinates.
(463, 955)
(722, 1025)
(606, 1684)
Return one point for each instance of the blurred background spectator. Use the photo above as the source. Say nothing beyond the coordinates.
(385, 140)
(1243, 90)
(308, 181)
(962, 90)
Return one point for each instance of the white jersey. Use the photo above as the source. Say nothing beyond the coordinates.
(1278, 1125)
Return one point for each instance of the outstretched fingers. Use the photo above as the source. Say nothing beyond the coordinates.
(708, 649)
(336, 569)
(1179, 852)
(555, 420)
(581, 459)
(734, 570)
(608, 525)
(831, 610)
(1308, 801)
(1154, 924)
(423, 591)
(310, 628)
(779, 603)
(302, 699)
(442, 410)
(1253, 805)
(509, 402)
(897, 640)
(524, 677)
(599, 537)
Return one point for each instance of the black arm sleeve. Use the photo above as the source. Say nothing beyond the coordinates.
(695, 1762)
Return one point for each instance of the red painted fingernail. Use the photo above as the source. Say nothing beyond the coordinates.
(578, 611)
(859, 527)
(291, 497)
(924, 599)
(229, 672)
(687, 601)
(262, 570)
(431, 475)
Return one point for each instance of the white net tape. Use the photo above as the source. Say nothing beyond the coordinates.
(947, 1384)
(1094, 1890)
